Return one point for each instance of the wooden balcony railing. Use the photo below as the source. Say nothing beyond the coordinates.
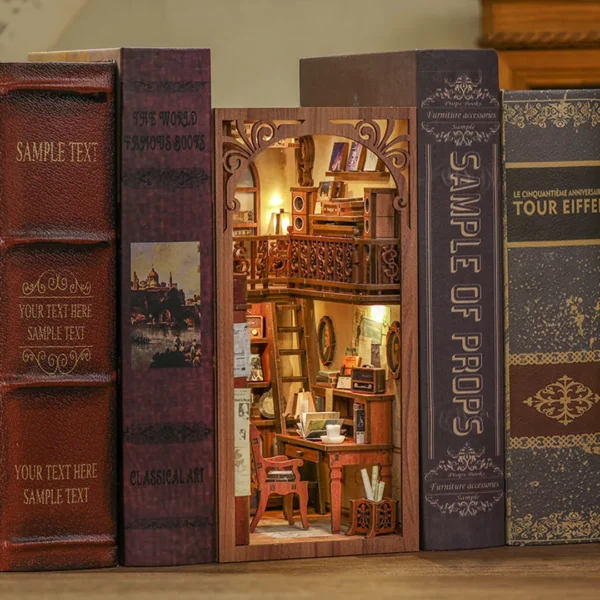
(355, 269)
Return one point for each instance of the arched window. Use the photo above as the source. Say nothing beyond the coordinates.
(246, 220)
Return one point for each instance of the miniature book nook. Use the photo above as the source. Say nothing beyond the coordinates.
(317, 362)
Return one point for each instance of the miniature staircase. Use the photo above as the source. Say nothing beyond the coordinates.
(288, 375)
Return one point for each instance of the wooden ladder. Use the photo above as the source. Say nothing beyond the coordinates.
(289, 340)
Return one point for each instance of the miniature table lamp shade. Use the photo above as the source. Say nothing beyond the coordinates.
(279, 223)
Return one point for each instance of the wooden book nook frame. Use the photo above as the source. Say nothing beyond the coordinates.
(372, 127)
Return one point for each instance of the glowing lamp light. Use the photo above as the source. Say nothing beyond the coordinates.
(279, 223)
(378, 313)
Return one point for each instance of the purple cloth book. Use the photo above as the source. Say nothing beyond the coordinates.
(166, 303)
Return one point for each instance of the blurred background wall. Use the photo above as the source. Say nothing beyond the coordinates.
(255, 44)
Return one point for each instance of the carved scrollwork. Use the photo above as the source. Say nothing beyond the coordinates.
(241, 262)
(391, 266)
(385, 516)
(392, 150)
(261, 263)
(278, 256)
(241, 144)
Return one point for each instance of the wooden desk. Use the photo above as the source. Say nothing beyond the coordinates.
(338, 456)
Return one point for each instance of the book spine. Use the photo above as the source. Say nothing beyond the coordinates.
(57, 317)
(552, 287)
(167, 279)
(359, 423)
(460, 299)
(460, 276)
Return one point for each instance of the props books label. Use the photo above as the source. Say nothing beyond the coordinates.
(460, 325)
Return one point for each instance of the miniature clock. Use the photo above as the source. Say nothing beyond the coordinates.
(255, 325)
(393, 349)
(326, 341)
(266, 406)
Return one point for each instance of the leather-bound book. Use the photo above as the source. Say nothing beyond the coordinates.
(57, 317)
(460, 272)
(166, 304)
(552, 304)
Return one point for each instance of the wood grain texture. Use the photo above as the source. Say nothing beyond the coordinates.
(552, 573)
(541, 69)
(540, 24)
(297, 122)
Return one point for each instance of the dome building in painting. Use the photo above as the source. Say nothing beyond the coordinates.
(159, 301)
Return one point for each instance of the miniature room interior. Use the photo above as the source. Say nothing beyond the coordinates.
(316, 242)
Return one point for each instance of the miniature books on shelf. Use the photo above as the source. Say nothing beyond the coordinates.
(313, 425)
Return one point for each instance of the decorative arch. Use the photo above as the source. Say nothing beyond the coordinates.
(356, 124)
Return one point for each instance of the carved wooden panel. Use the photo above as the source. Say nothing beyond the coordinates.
(319, 267)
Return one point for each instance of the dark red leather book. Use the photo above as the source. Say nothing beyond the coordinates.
(57, 317)
(166, 303)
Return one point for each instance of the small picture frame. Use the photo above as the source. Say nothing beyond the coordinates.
(256, 370)
(372, 162)
(325, 190)
(344, 382)
(337, 189)
(356, 157)
(339, 156)
(318, 207)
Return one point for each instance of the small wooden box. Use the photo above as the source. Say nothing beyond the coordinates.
(368, 380)
(256, 326)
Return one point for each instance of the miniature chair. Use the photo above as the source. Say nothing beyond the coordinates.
(277, 475)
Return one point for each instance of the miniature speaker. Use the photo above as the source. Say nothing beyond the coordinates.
(302, 200)
(380, 214)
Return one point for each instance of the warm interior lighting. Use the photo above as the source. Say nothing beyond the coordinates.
(276, 200)
(378, 313)
(279, 223)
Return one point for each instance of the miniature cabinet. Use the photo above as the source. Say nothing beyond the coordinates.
(333, 240)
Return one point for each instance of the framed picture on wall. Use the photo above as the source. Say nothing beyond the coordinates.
(337, 189)
(356, 157)
(339, 155)
(325, 190)
(256, 370)
(371, 161)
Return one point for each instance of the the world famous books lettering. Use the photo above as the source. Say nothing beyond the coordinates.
(552, 315)
(57, 317)
(166, 305)
(456, 96)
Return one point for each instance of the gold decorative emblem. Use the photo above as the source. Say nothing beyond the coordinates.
(56, 363)
(564, 400)
(588, 442)
(554, 358)
(462, 89)
(556, 527)
(53, 281)
(560, 114)
(466, 484)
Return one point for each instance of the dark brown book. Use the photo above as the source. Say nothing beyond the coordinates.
(166, 305)
(460, 322)
(57, 317)
(552, 291)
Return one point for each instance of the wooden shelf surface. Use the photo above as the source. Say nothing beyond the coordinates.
(259, 384)
(548, 572)
(350, 394)
(359, 175)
